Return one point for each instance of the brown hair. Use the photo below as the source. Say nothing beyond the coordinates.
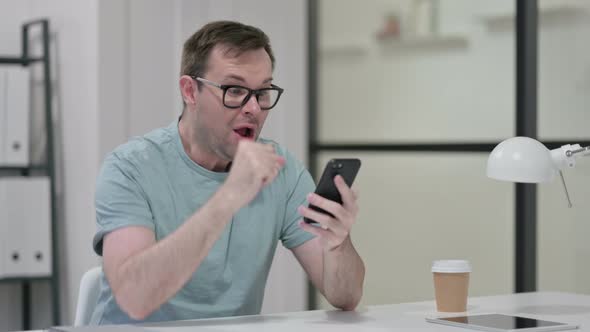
(237, 37)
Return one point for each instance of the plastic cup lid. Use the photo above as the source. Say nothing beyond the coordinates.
(451, 266)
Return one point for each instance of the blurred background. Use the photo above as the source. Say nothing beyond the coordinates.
(419, 90)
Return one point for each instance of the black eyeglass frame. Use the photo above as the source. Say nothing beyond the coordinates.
(256, 92)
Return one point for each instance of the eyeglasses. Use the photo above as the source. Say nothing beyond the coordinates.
(236, 96)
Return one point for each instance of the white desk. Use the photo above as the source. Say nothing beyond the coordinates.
(562, 307)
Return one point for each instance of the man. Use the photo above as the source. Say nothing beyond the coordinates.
(189, 215)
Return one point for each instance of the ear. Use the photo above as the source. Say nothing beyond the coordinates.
(187, 89)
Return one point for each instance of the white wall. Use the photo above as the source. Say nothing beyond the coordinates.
(115, 65)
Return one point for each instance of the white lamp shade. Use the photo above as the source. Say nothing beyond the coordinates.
(521, 159)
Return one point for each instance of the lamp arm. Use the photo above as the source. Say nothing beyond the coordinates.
(583, 151)
(565, 157)
(567, 194)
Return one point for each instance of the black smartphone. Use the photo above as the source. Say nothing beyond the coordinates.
(347, 168)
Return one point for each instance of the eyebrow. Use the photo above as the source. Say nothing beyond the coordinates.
(241, 79)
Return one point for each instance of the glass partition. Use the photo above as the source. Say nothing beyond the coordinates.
(437, 77)
(419, 207)
(564, 116)
(415, 71)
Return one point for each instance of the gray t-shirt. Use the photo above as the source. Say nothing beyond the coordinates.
(151, 182)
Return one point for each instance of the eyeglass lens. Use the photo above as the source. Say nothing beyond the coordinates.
(235, 97)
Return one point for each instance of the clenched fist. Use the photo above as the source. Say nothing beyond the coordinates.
(254, 166)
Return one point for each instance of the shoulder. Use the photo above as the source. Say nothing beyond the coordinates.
(154, 142)
(140, 151)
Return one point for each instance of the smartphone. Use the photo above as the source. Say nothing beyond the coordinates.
(347, 168)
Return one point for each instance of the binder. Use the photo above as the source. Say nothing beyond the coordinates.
(25, 224)
(14, 116)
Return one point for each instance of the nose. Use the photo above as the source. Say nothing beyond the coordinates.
(251, 105)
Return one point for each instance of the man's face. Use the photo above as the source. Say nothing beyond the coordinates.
(219, 128)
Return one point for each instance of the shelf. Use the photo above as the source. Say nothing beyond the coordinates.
(33, 168)
(330, 49)
(8, 280)
(403, 43)
(46, 169)
(425, 42)
(18, 60)
(552, 12)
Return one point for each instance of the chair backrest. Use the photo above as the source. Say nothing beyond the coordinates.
(88, 295)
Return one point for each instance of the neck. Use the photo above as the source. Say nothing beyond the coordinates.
(197, 151)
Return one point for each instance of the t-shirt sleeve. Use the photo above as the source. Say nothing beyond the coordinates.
(301, 184)
(120, 200)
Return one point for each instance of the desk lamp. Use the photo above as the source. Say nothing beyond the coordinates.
(523, 159)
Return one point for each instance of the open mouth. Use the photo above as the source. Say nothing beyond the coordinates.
(245, 132)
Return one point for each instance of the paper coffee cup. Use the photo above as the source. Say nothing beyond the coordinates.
(451, 284)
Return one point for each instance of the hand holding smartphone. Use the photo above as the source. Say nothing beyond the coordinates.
(347, 168)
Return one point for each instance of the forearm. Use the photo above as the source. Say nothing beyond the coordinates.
(343, 276)
(145, 281)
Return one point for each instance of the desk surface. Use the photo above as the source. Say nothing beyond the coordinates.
(561, 307)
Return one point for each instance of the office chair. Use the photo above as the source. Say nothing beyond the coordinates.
(88, 295)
